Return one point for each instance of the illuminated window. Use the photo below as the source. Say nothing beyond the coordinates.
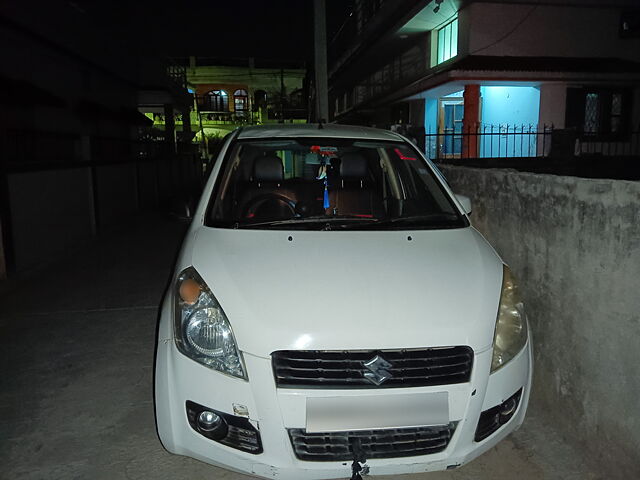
(448, 41)
(240, 100)
(216, 101)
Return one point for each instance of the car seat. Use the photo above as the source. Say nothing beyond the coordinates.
(353, 194)
(265, 196)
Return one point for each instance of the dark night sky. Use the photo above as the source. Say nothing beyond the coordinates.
(265, 29)
(122, 35)
(268, 29)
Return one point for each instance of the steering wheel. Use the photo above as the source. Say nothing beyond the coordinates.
(270, 205)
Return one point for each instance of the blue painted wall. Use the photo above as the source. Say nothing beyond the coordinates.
(513, 113)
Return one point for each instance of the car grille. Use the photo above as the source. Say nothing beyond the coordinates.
(387, 443)
(346, 369)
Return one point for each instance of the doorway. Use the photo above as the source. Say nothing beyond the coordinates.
(450, 115)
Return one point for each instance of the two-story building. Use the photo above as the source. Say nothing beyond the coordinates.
(228, 93)
(477, 78)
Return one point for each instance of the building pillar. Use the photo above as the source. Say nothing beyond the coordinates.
(169, 128)
(186, 123)
(471, 121)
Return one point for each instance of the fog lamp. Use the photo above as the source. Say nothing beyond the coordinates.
(208, 421)
(230, 430)
(508, 407)
(494, 418)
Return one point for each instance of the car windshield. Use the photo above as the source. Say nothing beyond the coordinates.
(329, 184)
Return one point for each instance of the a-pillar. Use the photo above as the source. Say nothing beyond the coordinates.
(471, 121)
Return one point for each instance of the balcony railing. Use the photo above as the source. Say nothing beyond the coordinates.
(353, 26)
(229, 118)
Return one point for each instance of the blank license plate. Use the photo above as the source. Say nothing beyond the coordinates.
(367, 412)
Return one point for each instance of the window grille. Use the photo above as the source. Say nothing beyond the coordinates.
(216, 101)
(591, 113)
(616, 112)
(240, 100)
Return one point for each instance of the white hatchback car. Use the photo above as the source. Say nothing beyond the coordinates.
(334, 313)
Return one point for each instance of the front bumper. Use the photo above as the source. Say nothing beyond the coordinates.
(273, 411)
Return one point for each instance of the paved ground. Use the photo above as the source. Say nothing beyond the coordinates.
(76, 343)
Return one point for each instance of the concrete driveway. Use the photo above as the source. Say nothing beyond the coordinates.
(77, 343)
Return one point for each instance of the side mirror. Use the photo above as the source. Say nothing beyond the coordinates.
(182, 209)
(465, 202)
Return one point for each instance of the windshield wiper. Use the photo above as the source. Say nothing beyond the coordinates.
(433, 220)
(328, 220)
(429, 218)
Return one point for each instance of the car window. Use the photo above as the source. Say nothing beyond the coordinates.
(329, 184)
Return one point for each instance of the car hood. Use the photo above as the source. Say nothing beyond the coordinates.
(332, 290)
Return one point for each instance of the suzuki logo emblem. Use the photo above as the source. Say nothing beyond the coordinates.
(378, 372)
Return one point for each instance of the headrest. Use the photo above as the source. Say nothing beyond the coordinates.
(353, 165)
(268, 169)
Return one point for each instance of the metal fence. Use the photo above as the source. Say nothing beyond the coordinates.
(30, 146)
(490, 141)
(66, 186)
(527, 141)
(35, 148)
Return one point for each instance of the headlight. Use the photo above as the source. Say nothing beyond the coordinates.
(511, 325)
(202, 331)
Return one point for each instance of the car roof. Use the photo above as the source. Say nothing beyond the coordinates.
(328, 130)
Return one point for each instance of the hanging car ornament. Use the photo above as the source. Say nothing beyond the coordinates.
(325, 153)
(322, 175)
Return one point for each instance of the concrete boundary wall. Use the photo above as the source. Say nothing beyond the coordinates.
(574, 244)
(56, 210)
(117, 192)
(52, 210)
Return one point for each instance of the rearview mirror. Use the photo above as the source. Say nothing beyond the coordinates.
(465, 202)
